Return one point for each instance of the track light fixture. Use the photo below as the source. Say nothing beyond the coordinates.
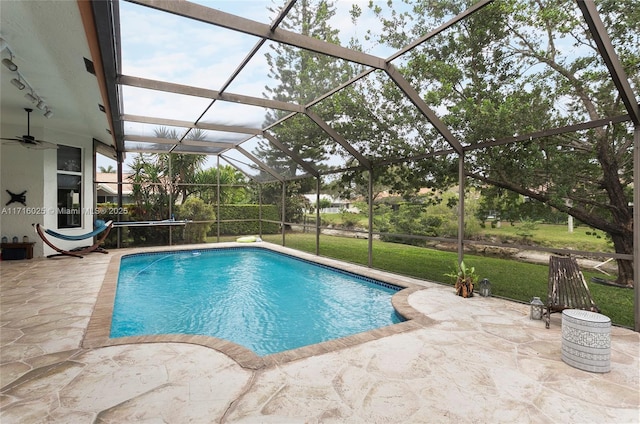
(18, 83)
(8, 61)
(9, 64)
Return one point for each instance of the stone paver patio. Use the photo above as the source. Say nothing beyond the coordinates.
(458, 361)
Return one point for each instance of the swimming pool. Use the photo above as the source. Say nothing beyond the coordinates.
(265, 301)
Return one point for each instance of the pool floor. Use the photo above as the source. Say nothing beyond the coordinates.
(263, 300)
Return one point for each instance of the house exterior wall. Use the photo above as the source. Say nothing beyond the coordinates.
(22, 169)
(36, 171)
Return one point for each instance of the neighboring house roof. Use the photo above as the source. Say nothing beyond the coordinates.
(108, 182)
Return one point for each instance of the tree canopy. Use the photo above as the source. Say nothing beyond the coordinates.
(516, 68)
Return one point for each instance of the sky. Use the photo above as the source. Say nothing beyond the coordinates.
(161, 46)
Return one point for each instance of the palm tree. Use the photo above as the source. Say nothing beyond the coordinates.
(229, 177)
(108, 170)
(183, 166)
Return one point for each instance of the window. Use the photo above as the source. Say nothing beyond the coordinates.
(69, 187)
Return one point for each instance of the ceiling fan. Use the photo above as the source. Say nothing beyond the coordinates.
(28, 140)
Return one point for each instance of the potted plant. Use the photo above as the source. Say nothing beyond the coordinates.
(465, 277)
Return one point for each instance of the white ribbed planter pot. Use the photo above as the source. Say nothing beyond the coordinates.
(586, 340)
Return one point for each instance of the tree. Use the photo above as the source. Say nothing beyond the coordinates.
(323, 204)
(182, 167)
(510, 206)
(108, 170)
(159, 178)
(301, 76)
(150, 188)
(518, 67)
(377, 119)
(295, 203)
(150, 193)
(232, 185)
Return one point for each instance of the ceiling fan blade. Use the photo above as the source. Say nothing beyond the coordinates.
(41, 145)
(12, 140)
(30, 141)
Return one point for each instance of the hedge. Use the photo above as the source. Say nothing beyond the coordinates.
(251, 212)
(160, 235)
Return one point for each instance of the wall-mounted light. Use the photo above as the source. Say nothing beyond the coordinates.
(18, 83)
(48, 114)
(41, 105)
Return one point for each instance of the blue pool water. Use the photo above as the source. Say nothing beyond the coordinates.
(265, 301)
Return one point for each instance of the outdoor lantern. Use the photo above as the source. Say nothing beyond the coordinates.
(485, 288)
(536, 308)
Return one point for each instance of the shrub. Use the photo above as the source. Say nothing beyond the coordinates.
(349, 219)
(196, 209)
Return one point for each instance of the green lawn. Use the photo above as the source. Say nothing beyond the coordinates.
(547, 235)
(550, 235)
(509, 278)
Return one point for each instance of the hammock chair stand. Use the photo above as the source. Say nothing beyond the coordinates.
(78, 251)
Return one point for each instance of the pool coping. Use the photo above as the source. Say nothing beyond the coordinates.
(98, 329)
